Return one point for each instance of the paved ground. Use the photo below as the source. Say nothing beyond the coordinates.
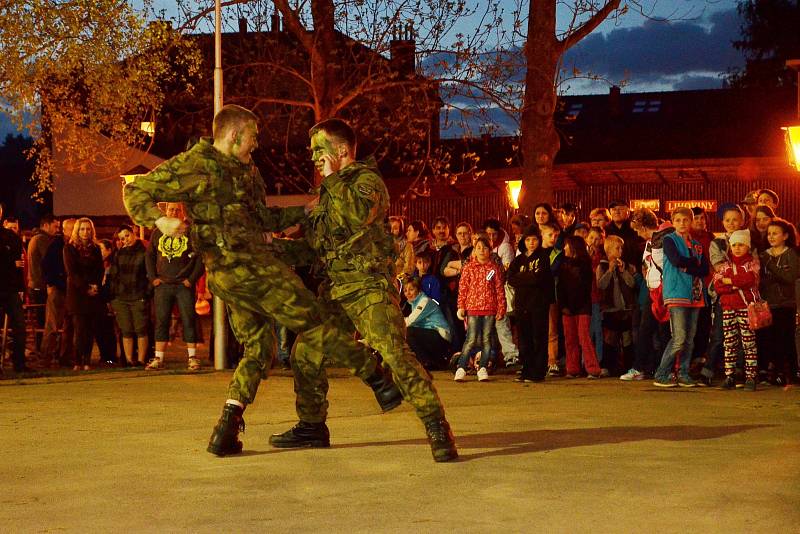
(124, 451)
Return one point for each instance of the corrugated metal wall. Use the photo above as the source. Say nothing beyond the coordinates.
(476, 209)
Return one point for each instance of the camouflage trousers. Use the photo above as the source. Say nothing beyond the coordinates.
(259, 290)
(375, 313)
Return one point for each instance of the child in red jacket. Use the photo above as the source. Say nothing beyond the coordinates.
(482, 301)
(736, 283)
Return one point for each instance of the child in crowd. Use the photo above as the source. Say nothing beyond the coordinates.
(530, 276)
(736, 283)
(427, 331)
(482, 301)
(594, 246)
(780, 268)
(615, 282)
(652, 333)
(552, 246)
(429, 282)
(684, 269)
(574, 296)
(718, 256)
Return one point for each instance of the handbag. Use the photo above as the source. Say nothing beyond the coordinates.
(758, 313)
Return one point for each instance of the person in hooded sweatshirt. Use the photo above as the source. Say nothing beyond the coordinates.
(534, 291)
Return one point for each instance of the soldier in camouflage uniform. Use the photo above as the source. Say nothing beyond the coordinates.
(346, 229)
(223, 194)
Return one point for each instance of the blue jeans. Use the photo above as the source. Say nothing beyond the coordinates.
(479, 335)
(683, 325)
(596, 330)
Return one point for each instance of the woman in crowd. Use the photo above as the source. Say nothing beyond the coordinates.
(83, 264)
(543, 213)
(427, 331)
(453, 262)
(130, 290)
(105, 334)
(417, 241)
(761, 220)
(780, 268)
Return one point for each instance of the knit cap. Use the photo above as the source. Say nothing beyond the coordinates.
(740, 236)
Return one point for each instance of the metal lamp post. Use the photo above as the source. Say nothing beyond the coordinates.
(220, 324)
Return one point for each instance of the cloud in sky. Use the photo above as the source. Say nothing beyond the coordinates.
(663, 52)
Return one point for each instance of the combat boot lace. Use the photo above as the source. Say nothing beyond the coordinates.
(225, 437)
(443, 445)
(386, 392)
(303, 435)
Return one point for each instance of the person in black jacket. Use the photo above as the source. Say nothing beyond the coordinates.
(534, 290)
(84, 266)
(56, 317)
(11, 286)
(130, 291)
(575, 301)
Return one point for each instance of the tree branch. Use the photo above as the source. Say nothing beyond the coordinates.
(572, 38)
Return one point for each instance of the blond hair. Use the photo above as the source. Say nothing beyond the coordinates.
(682, 210)
(231, 116)
(74, 239)
(613, 240)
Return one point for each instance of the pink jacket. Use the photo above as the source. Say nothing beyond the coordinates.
(480, 290)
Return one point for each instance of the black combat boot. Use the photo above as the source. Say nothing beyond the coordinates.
(386, 392)
(443, 445)
(302, 435)
(225, 437)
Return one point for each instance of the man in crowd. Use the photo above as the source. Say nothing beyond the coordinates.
(37, 248)
(11, 287)
(621, 226)
(223, 193)
(173, 268)
(56, 319)
(346, 229)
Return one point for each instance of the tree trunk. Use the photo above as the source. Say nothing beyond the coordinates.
(539, 141)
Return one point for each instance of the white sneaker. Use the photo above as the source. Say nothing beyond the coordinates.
(461, 374)
(553, 370)
(483, 374)
(194, 364)
(632, 374)
(156, 364)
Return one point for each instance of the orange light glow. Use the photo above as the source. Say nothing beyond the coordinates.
(793, 145)
(514, 187)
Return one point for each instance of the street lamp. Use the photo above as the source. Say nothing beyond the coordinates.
(514, 187)
(792, 136)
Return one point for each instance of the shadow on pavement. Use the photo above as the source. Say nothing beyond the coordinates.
(510, 443)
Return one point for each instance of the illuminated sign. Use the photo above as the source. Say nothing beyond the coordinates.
(648, 203)
(708, 205)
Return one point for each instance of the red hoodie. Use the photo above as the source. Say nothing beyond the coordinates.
(480, 290)
(745, 279)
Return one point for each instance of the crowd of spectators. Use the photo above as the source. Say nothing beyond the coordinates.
(80, 291)
(619, 294)
(612, 293)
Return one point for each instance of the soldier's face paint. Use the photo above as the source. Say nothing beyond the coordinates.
(321, 146)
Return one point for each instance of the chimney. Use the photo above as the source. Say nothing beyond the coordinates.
(242, 25)
(276, 22)
(615, 101)
(403, 50)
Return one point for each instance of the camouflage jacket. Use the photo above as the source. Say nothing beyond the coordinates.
(347, 228)
(223, 197)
